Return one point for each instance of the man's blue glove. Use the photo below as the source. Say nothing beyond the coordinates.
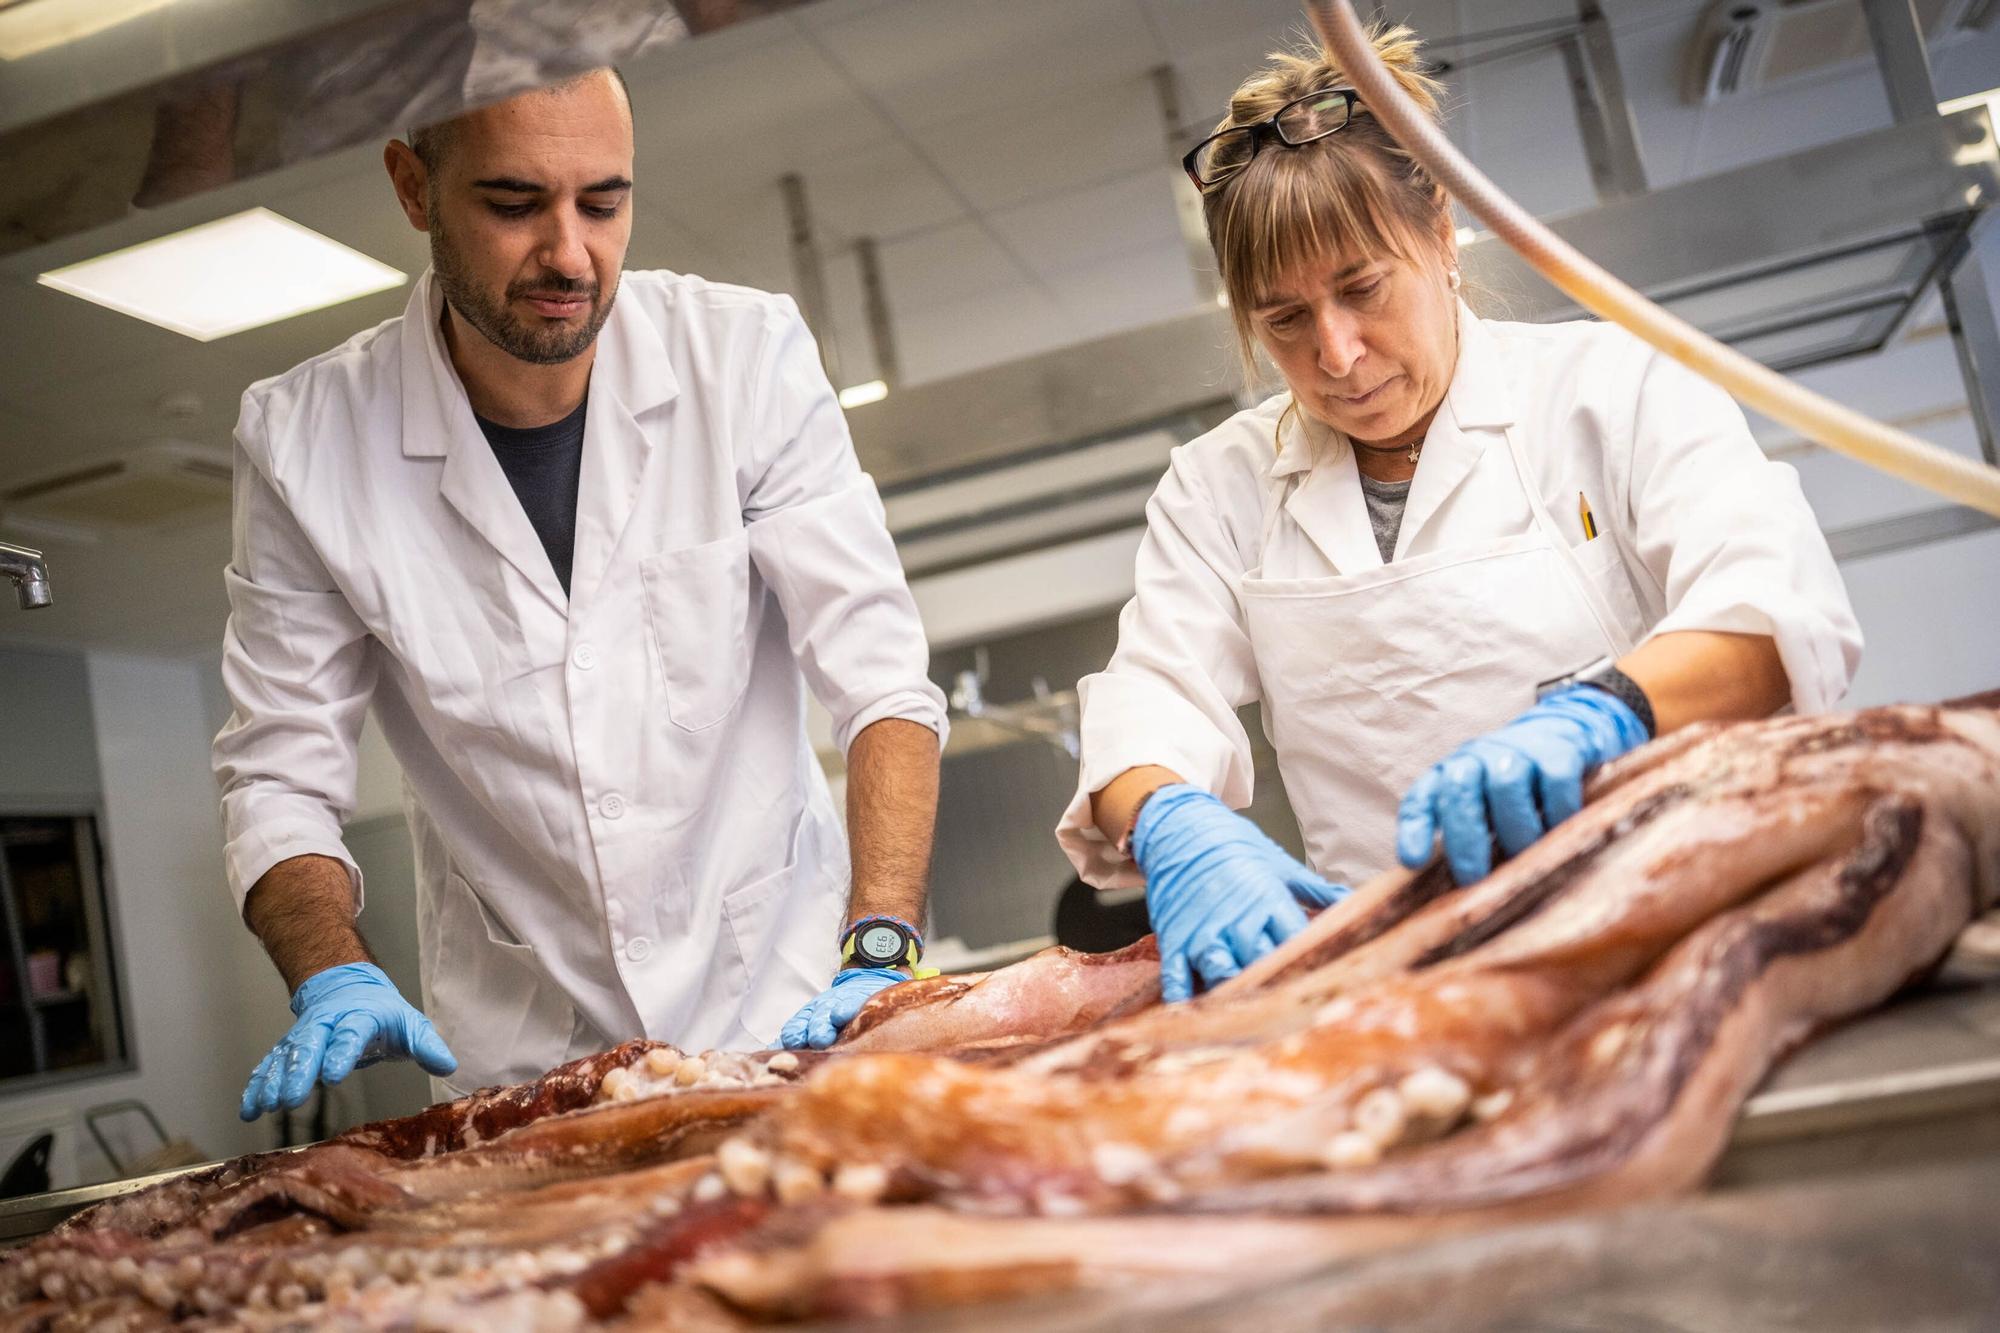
(818, 1025)
(1221, 895)
(349, 1016)
(1517, 782)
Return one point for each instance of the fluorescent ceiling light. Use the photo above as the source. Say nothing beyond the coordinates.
(226, 276)
(857, 395)
(28, 29)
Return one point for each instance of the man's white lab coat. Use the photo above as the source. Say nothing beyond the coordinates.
(620, 825)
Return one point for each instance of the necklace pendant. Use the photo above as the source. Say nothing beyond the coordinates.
(1415, 449)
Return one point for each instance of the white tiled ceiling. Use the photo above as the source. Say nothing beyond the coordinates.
(1008, 157)
(947, 58)
(1049, 146)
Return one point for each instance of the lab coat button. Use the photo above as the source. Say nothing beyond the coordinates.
(638, 948)
(612, 806)
(584, 658)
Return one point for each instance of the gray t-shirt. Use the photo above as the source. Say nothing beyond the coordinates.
(544, 464)
(1385, 511)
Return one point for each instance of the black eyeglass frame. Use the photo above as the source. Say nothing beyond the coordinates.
(1263, 131)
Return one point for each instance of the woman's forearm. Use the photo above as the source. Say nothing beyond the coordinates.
(1115, 806)
(1708, 676)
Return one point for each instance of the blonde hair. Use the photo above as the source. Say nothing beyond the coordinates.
(1354, 191)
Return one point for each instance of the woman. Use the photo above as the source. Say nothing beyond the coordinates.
(1445, 523)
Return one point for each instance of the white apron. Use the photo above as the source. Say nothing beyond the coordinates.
(1370, 678)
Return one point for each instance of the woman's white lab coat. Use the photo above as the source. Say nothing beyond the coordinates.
(620, 826)
(1259, 580)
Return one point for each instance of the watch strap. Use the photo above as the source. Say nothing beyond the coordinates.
(1626, 691)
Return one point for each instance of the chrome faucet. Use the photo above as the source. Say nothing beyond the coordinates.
(30, 574)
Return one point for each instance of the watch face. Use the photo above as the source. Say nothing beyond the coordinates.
(880, 943)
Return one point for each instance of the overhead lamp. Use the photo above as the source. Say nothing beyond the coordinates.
(1990, 99)
(859, 395)
(209, 281)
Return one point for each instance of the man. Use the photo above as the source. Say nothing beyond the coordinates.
(582, 543)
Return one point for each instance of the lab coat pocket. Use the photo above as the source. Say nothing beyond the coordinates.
(1604, 566)
(698, 612)
(785, 931)
(500, 1014)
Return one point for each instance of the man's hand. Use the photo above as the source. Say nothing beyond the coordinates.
(1221, 895)
(818, 1025)
(348, 1016)
(1517, 782)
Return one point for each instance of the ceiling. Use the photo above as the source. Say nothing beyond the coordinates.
(1009, 160)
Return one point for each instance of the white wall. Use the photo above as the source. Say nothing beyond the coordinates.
(1932, 617)
(202, 1003)
(48, 753)
(206, 1002)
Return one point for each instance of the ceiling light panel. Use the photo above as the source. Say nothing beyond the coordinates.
(222, 277)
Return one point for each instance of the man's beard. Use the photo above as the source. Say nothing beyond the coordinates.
(548, 345)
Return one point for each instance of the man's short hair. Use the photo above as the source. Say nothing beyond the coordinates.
(431, 142)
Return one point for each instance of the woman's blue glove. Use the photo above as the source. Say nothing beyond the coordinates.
(1221, 895)
(1517, 782)
(818, 1025)
(349, 1016)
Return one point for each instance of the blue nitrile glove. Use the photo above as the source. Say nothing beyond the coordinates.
(818, 1025)
(1517, 782)
(1221, 895)
(349, 1016)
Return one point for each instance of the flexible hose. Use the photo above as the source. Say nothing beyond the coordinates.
(1819, 419)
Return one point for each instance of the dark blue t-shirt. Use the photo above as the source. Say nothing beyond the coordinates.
(544, 464)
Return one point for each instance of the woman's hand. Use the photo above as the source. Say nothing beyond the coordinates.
(1515, 783)
(1221, 895)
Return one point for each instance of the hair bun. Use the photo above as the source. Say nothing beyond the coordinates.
(1401, 51)
(1304, 68)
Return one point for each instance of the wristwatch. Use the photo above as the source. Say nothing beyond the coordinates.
(881, 941)
(1604, 674)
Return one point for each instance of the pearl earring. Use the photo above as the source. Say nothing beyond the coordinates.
(1455, 281)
